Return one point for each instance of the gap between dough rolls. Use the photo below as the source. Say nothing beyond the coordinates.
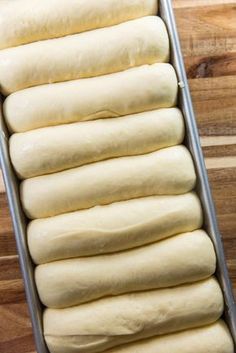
(132, 91)
(111, 228)
(94, 53)
(169, 171)
(56, 148)
(105, 323)
(214, 338)
(25, 21)
(184, 258)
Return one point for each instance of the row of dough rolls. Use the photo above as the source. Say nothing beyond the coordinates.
(121, 261)
(56, 148)
(26, 21)
(107, 50)
(214, 338)
(169, 171)
(102, 324)
(136, 90)
(111, 228)
(185, 258)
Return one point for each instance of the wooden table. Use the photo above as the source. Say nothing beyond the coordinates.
(208, 35)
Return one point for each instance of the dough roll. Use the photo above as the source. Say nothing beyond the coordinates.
(119, 226)
(168, 171)
(132, 91)
(25, 21)
(185, 258)
(105, 323)
(213, 338)
(57, 148)
(94, 53)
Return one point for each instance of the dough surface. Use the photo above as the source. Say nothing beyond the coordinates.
(132, 91)
(94, 53)
(108, 322)
(165, 172)
(185, 258)
(214, 338)
(119, 226)
(56, 148)
(25, 21)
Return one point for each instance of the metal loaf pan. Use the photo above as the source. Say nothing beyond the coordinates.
(193, 143)
(19, 224)
(203, 189)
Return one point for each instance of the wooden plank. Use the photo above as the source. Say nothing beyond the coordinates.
(11, 284)
(211, 65)
(212, 141)
(222, 162)
(215, 105)
(189, 3)
(15, 329)
(9, 268)
(7, 240)
(2, 187)
(207, 30)
(221, 152)
(223, 184)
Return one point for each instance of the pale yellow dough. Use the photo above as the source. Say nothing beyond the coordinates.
(57, 148)
(119, 226)
(94, 53)
(185, 258)
(105, 323)
(214, 338)
(25, 21)
(132, 91)
(169, 171)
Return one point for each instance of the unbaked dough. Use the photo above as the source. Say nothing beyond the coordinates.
(57, 148)
(119, 226)
(185, 258)
(214, 338)
(94, 53)
(135, 90)
(165, 172)
(25, 21)
(108, 322)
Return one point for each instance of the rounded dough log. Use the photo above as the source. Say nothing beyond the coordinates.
(56, 148)
(89, 54)
(132, 91)
(185, 258)
(105, 323)
(25, 21)
(214, 338)
(168, 171)
(119, 226)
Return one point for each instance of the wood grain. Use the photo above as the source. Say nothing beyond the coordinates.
(15, 329)
(195, 3)
(7, 242)
(214, 103)
(207, 31)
